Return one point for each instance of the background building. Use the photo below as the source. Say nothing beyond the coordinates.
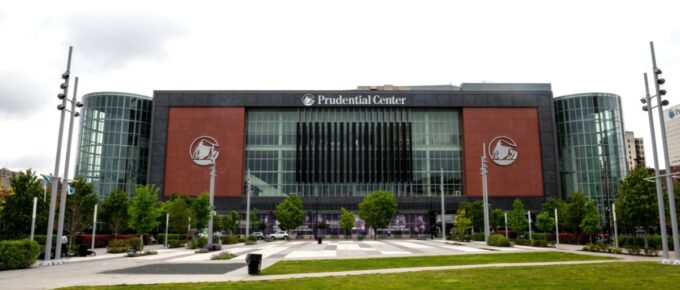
(590, 138)
(635, 150)
(5, 175)
(672, 118)
(334, 147)
(114, 141)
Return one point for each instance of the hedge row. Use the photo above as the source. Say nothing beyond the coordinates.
(18, 254)
(102, 240)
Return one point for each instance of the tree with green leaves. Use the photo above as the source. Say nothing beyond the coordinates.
(144, 210)
(17, 213)
(462, 223)
(517, 219)
(255, 223)
(289, 213)
(79, 207)
(234, 221)
(636, 203)
(377, 209)
(114, 211)
(201, 210)
(475, 212)
(551, 204)
(576, 211)
(347, 220)
(179, 212)
(591, 222)
(544, 222)
(496, 219)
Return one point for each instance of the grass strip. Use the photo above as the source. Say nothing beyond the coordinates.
(337, 265)
(616, 275)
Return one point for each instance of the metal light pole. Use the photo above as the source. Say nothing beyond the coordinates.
(212, 201)
(647, 100)
(505, 214)
(485, 194)
(557, 230)
(441, 188)
(529, 214)
(249, 188)
(616, 231)
(94, 226)
(65, 186)
(664, 143)
(167, 222)
(55, 178)
(35, 205)
(189, 228)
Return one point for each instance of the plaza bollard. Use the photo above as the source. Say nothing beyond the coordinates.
(319, 239)
(254, 262)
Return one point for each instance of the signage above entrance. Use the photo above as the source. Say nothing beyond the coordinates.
(202, 151)
(351, 100)
(504, 150)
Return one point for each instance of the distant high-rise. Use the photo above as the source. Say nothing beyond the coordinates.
(672, 118)
(114, 141)
(635, 151)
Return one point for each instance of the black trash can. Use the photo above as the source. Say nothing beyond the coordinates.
(319, 239)
(254, 262)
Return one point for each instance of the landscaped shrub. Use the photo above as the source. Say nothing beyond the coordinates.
(241, 239)
(197, 243)
(478, 237)
(118, 246)
(175, 243)
(18, 254)
(228, 240)
(567, 238)
(539, 236)
(522, 242)
(541, 243)
(160, 238)
(499, 241)
(251, 238)
(135, 244)
(102, 240)
(633, 250)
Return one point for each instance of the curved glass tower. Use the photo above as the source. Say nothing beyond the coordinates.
(590, 137)
(114, 141)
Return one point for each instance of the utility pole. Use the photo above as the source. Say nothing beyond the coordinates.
(485, 194)
(441, 188)
(249, 188)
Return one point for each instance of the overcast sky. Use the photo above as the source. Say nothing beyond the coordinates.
(142, 46)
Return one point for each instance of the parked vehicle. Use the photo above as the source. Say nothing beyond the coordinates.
(258, 235)
(279, 235)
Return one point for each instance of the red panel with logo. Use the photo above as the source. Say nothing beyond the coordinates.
(513, 151)
(201, 134)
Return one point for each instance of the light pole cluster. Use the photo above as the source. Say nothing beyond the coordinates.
(647, 100)
(63, 97)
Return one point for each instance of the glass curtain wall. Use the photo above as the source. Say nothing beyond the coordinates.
(591, 145)
(352, 152)
(114, 141)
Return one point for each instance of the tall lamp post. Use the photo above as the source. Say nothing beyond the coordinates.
(55, 178)
(485, 194)
(203, 152)
(647, 100)
(65, 186)
(669, 180)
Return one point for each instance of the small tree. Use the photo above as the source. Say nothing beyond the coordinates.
(551, 204)
(462, 223)
(115, 211)
(544, 222)
(235, 220)
(79, 207)
(576, 211)
(144, 210)
(346, 220)
(289, 213)
(179, 214)
(201, 210)
(591, 221)
(378, 208)
(517, 219)
(16, 214)
(255, 223)
(636, 203)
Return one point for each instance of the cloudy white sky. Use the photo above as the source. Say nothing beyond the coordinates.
(142, 46)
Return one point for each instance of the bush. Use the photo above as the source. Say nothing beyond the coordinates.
(250, 242)
(18, 254)
(117, 246)
(222, 256)
(175, 243)
(251, 238)
(499, 241)
(229, 240)
(541, 243)
(135, 244)
(102, 240)
(567, 238)
(160, 238)
(197, 243)
(241, 239)
(478, 237)
(138, 254)
(522, 242)
(539, 236)
(633, 250)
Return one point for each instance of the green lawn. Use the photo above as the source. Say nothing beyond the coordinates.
(336, 265)
(616, 275)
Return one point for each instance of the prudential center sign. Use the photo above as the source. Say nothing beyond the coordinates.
(351, 100)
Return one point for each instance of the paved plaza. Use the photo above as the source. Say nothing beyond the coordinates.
(183, 265)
